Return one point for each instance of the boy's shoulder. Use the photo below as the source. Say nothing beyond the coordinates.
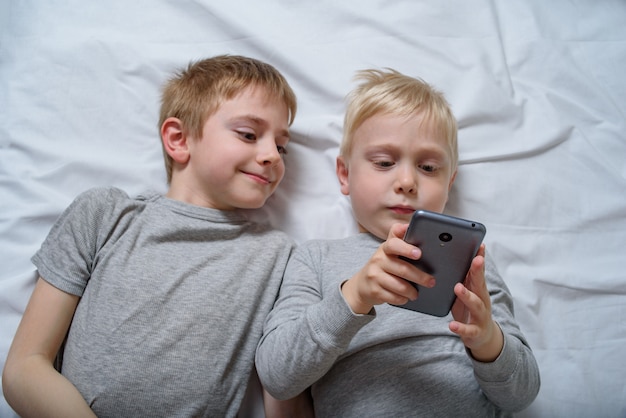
(115, 193)
(96, 195)
(103, 207)
(108, 200)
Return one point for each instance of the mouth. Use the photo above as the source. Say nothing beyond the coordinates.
(259, 178)
(402, 210)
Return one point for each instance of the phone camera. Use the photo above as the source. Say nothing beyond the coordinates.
(445, 237)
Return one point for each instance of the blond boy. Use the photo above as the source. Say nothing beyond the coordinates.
(334, 329)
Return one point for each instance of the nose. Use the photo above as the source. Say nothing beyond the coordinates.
(406, 180)
(268, 153)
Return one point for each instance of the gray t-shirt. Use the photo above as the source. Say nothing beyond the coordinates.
(391, 362)
(173, 300)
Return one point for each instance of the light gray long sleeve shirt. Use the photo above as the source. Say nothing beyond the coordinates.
(392, 362)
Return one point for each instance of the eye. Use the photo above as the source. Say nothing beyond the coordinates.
(429, 168)
(282, 150)
(383, 163)
(248, 136)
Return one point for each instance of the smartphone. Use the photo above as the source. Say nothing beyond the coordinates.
(448, 244)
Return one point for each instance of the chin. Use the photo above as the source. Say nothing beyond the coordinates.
(252, 204)
(249, 206)
(376, 230)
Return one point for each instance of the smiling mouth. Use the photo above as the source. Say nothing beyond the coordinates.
(258, 178)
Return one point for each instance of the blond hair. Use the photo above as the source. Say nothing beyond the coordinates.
(390, 92)
(195, 93)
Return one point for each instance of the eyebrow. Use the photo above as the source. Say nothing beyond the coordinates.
(436, 151)
(431, 151)
(259, 121)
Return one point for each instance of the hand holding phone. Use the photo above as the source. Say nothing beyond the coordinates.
(448, 246)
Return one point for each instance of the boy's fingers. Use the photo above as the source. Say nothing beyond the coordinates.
(481, 250)
(457, 327)
(463, 294)
(395, 246)
(474, 305)
(475, 280)
(479, 308)
(397, 231)
(466, 331)
(400, 292)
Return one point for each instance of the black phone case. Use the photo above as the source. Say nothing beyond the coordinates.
(448, 244)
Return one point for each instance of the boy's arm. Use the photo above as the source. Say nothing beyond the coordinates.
(504, 365)
(472, 313)
(30, 383)
(305, 333)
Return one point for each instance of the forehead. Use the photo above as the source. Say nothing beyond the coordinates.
(254, 97)
(404, 132)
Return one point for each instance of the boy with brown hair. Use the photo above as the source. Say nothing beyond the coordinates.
(163, 298)
(334, 329)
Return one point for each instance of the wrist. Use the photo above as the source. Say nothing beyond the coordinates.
(351, 296)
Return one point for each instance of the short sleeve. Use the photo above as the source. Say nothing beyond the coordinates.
(66, 257)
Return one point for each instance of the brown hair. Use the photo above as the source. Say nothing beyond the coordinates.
(195, 93)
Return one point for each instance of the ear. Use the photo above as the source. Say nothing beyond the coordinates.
(175, 140)
(342, 175)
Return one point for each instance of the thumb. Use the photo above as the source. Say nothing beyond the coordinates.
(397, 231)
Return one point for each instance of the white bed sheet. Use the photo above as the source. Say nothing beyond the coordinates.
(538, 89)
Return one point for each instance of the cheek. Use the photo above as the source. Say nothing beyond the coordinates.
(438, 196)
(364, 193)
(370, 186)
(280, 172)
(362, 177)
